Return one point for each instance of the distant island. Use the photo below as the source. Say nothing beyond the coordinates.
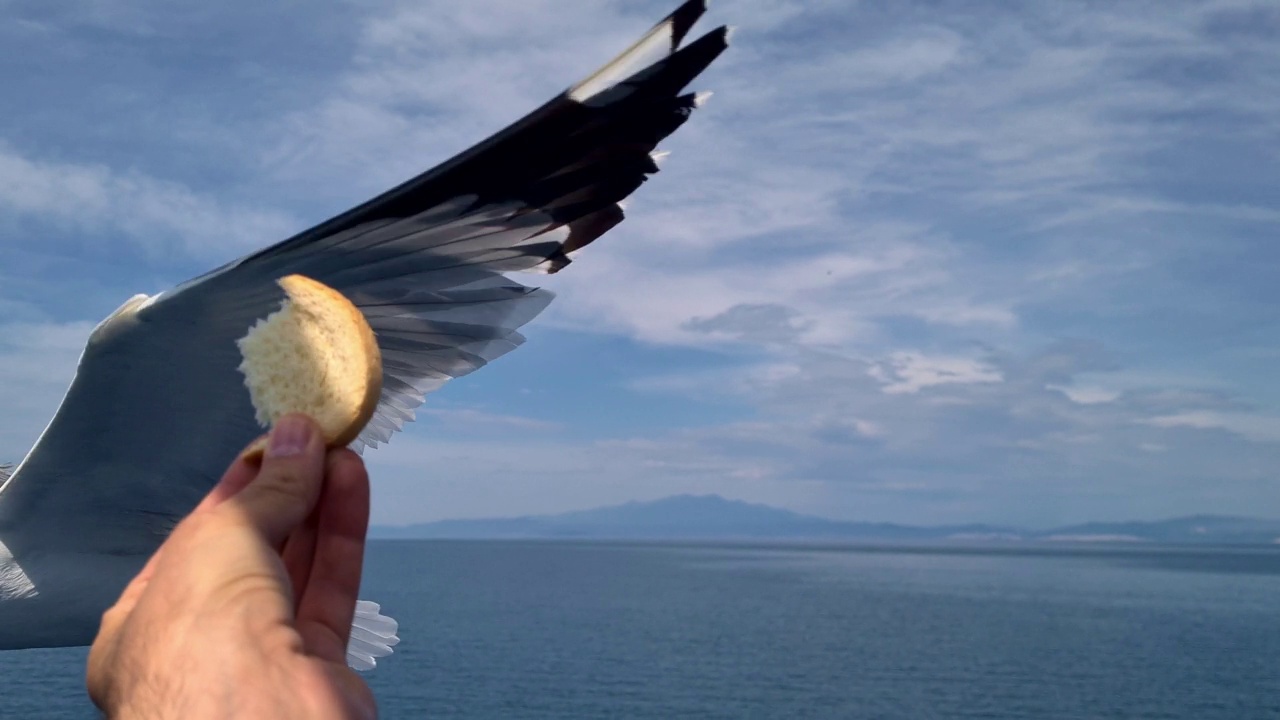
(711, 517)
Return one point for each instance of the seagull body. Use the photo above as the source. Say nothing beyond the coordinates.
(157, 409)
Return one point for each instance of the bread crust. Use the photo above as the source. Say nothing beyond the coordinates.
(308, 292)
(298, 286)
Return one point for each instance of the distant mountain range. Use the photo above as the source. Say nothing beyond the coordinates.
(710, 517)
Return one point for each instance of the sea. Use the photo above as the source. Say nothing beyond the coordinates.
(560, 630)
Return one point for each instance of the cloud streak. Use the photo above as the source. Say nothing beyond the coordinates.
(160, 217)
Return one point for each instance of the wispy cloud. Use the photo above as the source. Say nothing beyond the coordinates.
(907, 372)
(37, 362)
(161, 217)
(472, 418)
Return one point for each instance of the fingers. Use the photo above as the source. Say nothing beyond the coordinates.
(328, 602)
(299, 552)
(138, 585)
(236, 478)
(97, 676)
(356, 697)
(287, 486)
(98, 669)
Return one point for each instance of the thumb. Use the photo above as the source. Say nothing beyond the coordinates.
(287, 487)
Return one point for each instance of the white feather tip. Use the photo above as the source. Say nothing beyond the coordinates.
(372, 636)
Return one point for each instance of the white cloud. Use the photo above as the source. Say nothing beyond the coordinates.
(1259, 428)
(158, 216)
(473, 417)
(37, 362)
(909, 372)
(1086, 395)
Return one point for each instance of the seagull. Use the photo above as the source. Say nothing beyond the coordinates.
(157, 409)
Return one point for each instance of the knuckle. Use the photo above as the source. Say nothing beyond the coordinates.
(245, 589)
(284, 483)
(111, 621)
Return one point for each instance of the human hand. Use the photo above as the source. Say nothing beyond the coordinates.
(246, 609)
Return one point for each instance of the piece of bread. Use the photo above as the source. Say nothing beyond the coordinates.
(316, 355)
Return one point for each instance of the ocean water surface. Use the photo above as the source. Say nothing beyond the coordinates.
(613, 630)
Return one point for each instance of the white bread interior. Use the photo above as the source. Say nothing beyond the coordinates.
(316, 355)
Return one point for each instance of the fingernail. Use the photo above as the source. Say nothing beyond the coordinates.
(289, 437)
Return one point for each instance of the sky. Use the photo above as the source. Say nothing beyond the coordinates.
(924, 262)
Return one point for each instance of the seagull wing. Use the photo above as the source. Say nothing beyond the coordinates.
(158, 409)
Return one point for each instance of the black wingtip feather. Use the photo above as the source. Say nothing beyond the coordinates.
(683, 20)
(687, 63)
(571, 161)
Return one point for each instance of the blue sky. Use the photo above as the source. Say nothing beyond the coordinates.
(914, 261)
